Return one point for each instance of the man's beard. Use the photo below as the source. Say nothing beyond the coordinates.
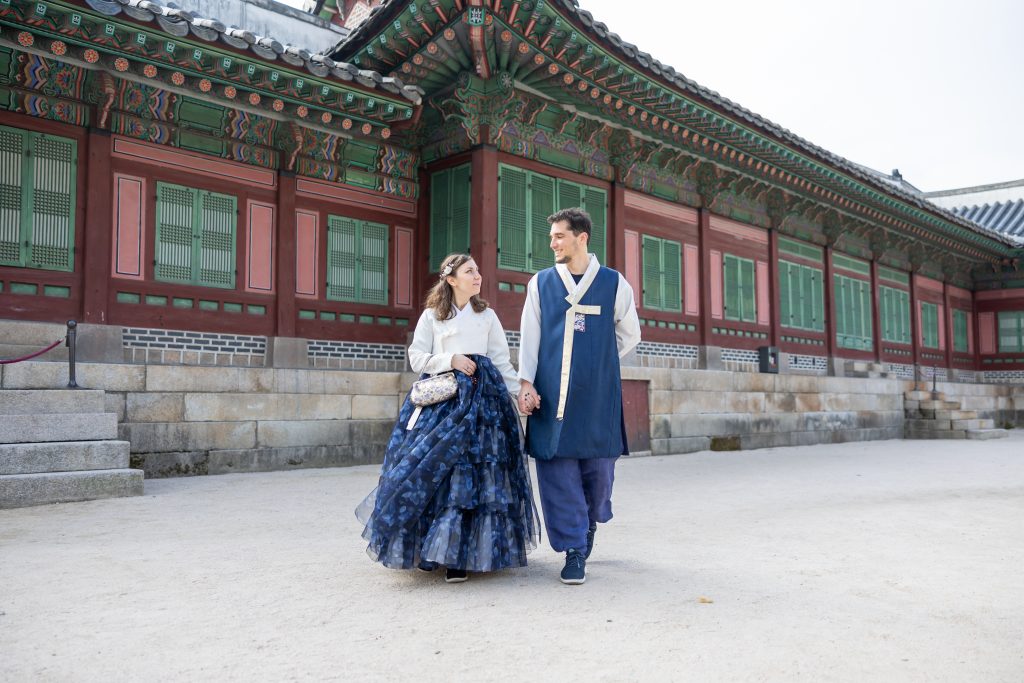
(564, 258)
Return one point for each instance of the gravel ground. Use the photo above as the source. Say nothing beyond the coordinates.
(880, 561)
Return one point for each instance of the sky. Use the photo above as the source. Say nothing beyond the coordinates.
(934, 88)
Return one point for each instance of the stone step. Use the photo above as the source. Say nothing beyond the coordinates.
(11, 351)
(939, 405)
(58, 427)
(23, 490)
(22, 333)
(63, 456)
(986, 434)
(41, 401)
(972, 424)
(928, 424)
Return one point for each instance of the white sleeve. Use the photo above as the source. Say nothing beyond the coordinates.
(421, 358)
(497, 351)
(627, 324)
(529, 333)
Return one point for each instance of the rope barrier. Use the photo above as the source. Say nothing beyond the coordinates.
(30, 356)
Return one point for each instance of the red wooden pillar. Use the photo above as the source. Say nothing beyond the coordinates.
(947, 322)
(286, 254)
(483, 237)
(830, 306)
(422, 268)
(975, 332)
(915, 331)
(703, 227)
(774, 319)
(876, 312)
(98, 242)
(616, 230)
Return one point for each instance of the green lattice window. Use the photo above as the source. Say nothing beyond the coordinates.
(196, 236)
(525, 200)
(738, 280)
(960, 331)
(895, 314)
(662, 274)
(357, 260)
(801, 297)
(38, 174)
(1011, 331)
(853, 313)
(929, 325)
(450, 192)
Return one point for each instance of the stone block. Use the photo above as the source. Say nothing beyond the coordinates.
(286, 433)
(797, 384)
(106, 376)
(971, 424)
(986, 434)
(661, 402)
(753, 381)
(701, 380)
(825, 421)
(780, 403)
(63, 456)
(58, 427)
(287, 352)
(37, 401)
(677, 446)
(99, 343)
(932, 425)
(188, 379)
(165, 437)
(695, 402)
(155, 407)
(266, 407)
(173, 464)
(661, 426)
(774, 422)
(750, 441)
(374, 408)
(805, 403)
(274, 459)
(115, 402)
(726, 443)
(22, 490)
(743, 402)
(362, 383)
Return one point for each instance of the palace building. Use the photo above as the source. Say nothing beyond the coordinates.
(196, 193)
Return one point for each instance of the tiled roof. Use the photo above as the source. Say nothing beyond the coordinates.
(181, 23)
(1004, 217)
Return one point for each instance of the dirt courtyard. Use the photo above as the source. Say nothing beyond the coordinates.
(878, 561)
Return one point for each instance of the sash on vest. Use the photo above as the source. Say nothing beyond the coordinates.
(576, 292)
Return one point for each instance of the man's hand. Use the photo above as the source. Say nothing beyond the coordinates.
(529, 399)
(463, 364)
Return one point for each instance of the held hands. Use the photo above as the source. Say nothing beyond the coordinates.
(529, 399)
(463, 364)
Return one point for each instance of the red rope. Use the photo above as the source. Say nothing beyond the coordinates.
(31, 355)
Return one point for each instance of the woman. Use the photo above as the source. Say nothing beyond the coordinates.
(454, 489)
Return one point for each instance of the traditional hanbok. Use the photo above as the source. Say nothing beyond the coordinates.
(574, 331)
(455, 490)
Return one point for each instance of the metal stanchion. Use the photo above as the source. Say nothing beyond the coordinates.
(71, 338)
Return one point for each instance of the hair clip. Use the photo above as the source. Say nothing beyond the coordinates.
(447, 270)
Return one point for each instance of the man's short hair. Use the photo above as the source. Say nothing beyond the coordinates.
(578, 219)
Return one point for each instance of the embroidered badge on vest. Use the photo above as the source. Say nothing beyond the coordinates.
(580, 324)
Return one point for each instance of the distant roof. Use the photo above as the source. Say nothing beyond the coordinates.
(179, 22)
(998, 206)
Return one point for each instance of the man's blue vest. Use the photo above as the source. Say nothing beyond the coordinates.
(592, 424)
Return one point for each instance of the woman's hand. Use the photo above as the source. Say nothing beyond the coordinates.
(463, 364)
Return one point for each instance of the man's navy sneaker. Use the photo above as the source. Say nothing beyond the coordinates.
(590, 540)
(575, 570)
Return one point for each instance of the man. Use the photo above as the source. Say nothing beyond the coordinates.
(578, 321)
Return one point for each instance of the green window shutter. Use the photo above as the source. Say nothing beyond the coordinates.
(887, 314)
(671, 268)
(960, 331)
(53, 202)
(513, 226)
(219, 220)
(462, 192)
(930, 325)
(595, 203)
(731, 285)
(818, 299)
(440, 212)
(570, 196)
(786, 292)
(748, 292)
(341, 258)
(895, 314)
(175, 235)
(807, 297)
(373, 263)
(13, 182)
(652, 272)
(542, 205)
(904, 313)
(853, 313)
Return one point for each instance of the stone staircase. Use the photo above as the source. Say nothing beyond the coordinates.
(930, 416)
(58, 446)
(866, 368)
